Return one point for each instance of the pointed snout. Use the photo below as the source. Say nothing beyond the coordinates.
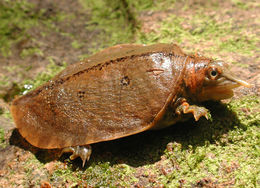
(234, 79)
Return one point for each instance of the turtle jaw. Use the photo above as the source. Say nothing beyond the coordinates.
(221, 88)
(217, 92)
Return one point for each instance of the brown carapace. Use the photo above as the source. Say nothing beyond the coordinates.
(120, 91)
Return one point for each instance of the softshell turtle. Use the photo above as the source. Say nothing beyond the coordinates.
(120, 91)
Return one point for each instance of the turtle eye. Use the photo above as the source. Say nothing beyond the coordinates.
(213, 73)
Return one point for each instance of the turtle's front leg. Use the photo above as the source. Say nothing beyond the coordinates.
(186, 108)
(83, 152)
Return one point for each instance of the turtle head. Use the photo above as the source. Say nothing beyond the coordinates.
(207, 79)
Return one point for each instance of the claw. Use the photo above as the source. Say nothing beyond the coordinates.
(83, 152)
(197, 111)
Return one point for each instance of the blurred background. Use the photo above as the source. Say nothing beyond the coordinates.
(40, 38)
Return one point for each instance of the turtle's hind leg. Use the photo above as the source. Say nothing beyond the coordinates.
(83, 152)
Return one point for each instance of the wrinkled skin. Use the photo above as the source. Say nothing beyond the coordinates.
(120, 91)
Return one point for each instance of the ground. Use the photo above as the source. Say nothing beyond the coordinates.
(40, 38)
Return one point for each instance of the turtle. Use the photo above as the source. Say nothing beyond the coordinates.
(120, 91)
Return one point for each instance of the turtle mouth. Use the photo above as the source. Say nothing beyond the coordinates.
(221, 88)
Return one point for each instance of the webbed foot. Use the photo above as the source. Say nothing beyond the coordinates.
(197, 111)
(83, 152)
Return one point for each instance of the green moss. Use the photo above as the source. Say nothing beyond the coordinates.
(201, 29)
(247, 110)
(240, 4)
(239, 64)
(2, 138)
(3, 81)
(63, 175)
(160, 5)
(34, 171)
(234, 154)
(241, 44)
(103, 174)
(7, 114)
(51, 70)
(75, 44)
(115, 21)
(15, 18)
(31, 51)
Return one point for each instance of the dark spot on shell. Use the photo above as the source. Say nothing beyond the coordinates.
(125, 81)
(81, 94)
(52, 107)
(59, 81)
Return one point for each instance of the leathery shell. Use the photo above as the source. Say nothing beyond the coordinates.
(117, 92)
